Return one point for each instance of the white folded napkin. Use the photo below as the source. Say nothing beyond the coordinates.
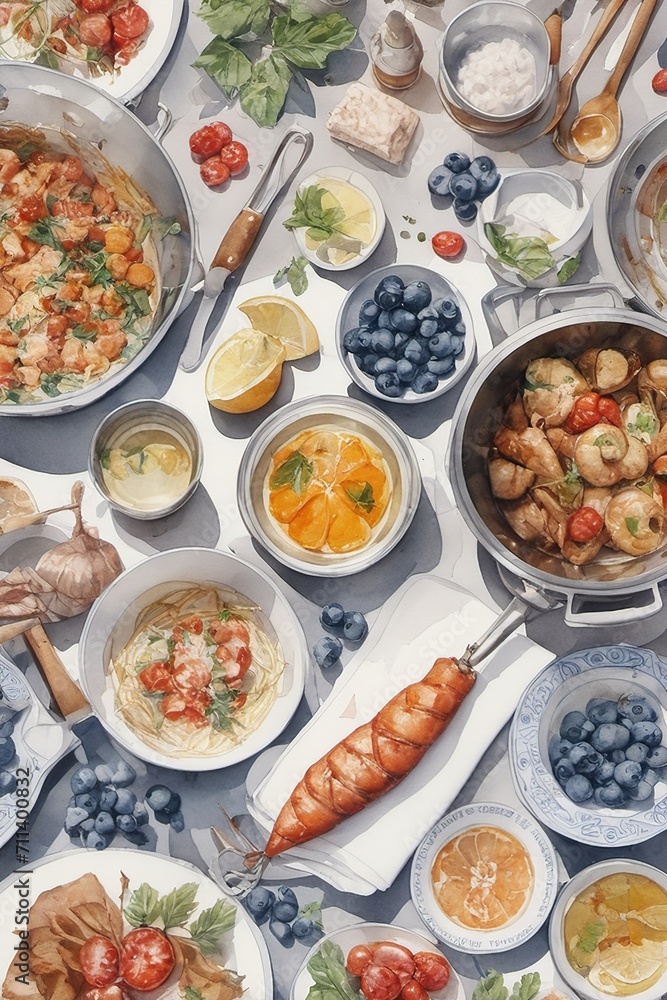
(429, 617)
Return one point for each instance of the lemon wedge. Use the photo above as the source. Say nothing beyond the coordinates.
(653, 916)
(245, 371)
(358, 222)
(632, 963)
(285, 321)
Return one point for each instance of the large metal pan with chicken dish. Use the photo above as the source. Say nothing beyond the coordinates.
(558, 459)
(96, 247)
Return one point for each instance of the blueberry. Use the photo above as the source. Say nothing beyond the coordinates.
(610, 736)
(416, 352)
(126, 801)
(382, 342)
(601, 710)
(355, 626)
(162, 816)
(417, 296)
(644, 790)
(610, 795)
(90, 801)
(400, 340)
(425, 382)
(405, 370)
(327, 651)
(367, 363)
(124, 774)
(465, 211)
(637, 708)
(558, 748)
(463, 186)
(388, 384)
(259, 901)
(6, 714)
(441, 367)
(351, 341)
(97, 840)
(287, 895)
(364, 336)
(384, 365)
(647, 732)
(456, 162)
(449, 311)
(438, 180)
(6, 728)
(657, 757)
(457, 346)
(585, 758)
(104, 773)
(628, 774)
(7, 782)
(428, 328)
(392, 281)
(430, 312)
(604, 773)
(628, 723)
(369, 312)
(563, 770)
(331, 616)
(618, 756)
(384, 321)
(440, 345)
(459, 329)
(282, 931)
(74, 817)
(104, 822)
(177, 821)
(578, 788)
(403, 320)
(388, 298)
(285, 912)
(87, 825)
(482, 165)
(651, 776)
(83, 780)
(571, 727)
(158, 796)
(487, 184)
(302, 927)
(638, 752)
(140, 813)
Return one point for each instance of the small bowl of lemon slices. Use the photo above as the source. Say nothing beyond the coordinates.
(337, 218)
(245, 372)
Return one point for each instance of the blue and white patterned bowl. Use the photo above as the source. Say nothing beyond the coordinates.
(566, 685)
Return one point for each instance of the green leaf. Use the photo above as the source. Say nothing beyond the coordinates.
(308, 213)
(16, 325)
(144, 907)
(568, 268)
(528, 988)
(604, 441)
(330, 978)
(646, 423)
(192, 993)
(263, 96)
(96, 267)
(211, 924)
(313, 912)
(307, 43)
(225, 615)
(105, 455)
(43, 232)
(632, 524)
(362, 494)
(179, 905)
(296, 471)
(528, 255)
(226, 64)
(230, 18)
(662, 214)
(494, 234)
(591, 936)
(295, 272)
(219, 712)
(490, 987)
(164, 225)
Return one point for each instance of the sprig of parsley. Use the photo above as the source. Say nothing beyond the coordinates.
(295, 272)
(320, 223)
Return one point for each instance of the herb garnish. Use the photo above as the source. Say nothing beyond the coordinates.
(529, 255)
(296, 471)
(362, 494)
(42, 232)
(320, 223)
(295, 272)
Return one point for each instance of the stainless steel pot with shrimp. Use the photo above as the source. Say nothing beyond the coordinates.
(558, 459)
(96, 252)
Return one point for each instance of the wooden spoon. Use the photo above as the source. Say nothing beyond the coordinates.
(568, 79)
(596, 131)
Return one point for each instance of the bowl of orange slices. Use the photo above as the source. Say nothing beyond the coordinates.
(485, 878)
(328, 485)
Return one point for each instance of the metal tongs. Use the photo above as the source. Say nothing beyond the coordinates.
(241, 235)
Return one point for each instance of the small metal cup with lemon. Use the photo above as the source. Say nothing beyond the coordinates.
(245, 371)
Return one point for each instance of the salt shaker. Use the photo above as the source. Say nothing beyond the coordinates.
(396, 52)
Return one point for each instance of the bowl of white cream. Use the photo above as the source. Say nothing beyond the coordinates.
(533, 227)
(494, 63)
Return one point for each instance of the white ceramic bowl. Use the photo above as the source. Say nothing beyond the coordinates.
(359, 418)
(521, 182)
(111, 622)
(566, 685)
(348, 318)
(365, 933)
(565, 899)
(359, 181)
(538, 905)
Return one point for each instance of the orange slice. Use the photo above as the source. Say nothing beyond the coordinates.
(310, 526)
(284, 502)
(347, 529)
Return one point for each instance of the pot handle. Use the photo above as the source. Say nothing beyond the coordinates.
(625, 615)
(543, 306)
(490, 302)
(511, 293)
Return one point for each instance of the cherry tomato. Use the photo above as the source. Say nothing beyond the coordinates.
(146, 958)
(448, 245)
(193, 624)
(235, 156)
(126, 49)
(589, 409)
(173, 706)
(414, 991)
(659, 81)
(205, 142)
(98, 957)
(157, 677)
(395, 957)
(214, 172)
(130, 21)
(358, 959)
(32, 208)
(224, 133)
(584, 524)
(432, 970)
(95, 30)
(95, 6)
(379, 983)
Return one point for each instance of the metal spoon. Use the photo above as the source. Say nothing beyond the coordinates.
(568, 79)
(596, 131)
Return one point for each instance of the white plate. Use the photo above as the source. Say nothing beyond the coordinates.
(244, 950)
(566, 685)
(363, 934)
(539, 903)
(111, 621)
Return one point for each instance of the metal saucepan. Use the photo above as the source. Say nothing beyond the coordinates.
(615, 589)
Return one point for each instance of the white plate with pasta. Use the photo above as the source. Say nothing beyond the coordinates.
(193, 659)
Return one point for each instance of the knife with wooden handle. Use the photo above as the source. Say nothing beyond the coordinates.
(241, 235)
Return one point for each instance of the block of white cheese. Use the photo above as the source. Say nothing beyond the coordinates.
(374, 121)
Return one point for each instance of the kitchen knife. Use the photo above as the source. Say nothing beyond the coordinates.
(241, 235)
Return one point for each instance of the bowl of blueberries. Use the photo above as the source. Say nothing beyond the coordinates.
(405, 333)
(588, 746)
(466, 182)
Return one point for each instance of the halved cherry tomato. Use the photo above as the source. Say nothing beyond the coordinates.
(380, 983)
(130, 21)
(394, 956)
(193, 624)
(95, 6)
(448, 245)
(157, 676)
(214, 172)
(659, 81)
(99, 959)
(235, 156)
(126, 49)
(32, 208)
(584, 524)
(591, 408)
(414, 991)
(358, 959)
(432, 970)
(95, 30)
(146, 958)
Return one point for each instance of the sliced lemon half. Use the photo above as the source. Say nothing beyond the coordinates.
(287, 322)
(631, 963)
(245, 372)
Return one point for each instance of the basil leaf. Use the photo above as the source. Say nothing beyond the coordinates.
(43, 232)
(226, 64)
(330, 978)
(144, 907)
(263, 96)
(362, 494)
(211, 924)
(231, 18)
(308, 42)
(494, 234)
(295, 273)
(296, 471)
(568, 268)
(528, 988)
(178, 905)
(192, 993)
(490, 987)
(632, 524)
(528, 255)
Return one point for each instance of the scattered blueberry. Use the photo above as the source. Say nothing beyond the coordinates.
(428, 327)
(7, 782)
(368, 363)
(405, 370)
(6, 728)
(282, 931)
(104, 822)
(259, 901)
(302, 927)
(643, 790)
(124, 774)
(162, 816)
(74, 817)
(285, 912)
(383, 366)
(487, 183)
(610, 736)
(617, 756)
(578, 788)
(177, 821)
(158, 796)
(604, 773)
(610, 795)
(558, 748)
(369, 311)
(465, 211)
(637, 708)
(417, 296)
(457, 346)
(383, 322)
(637, 752)
(416, 352)
(601, 710)
(126, 801)
(388, 298)
(355, 626)
(327, 651)
(87, 825)
(140, 813)
(97, 840)
(628, 774)
(388, 384)
(382, 342)
(647, 732)
(440, 345)
(463, 186)
(571, 727)
(585, 758)
(482, 165)
(563, 770)
(108, 798)
(657, 757)
(89, 801)
(438, 181)
(425, 382)
(126, 824)
(351, 341)
(331, 616)
(83, 780)
(457, 162)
